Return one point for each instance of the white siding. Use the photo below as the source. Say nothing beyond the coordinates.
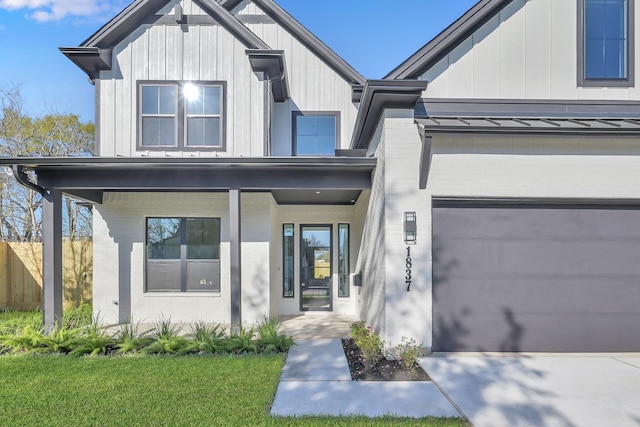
(172, 52)
(314, 86)
(528, 51)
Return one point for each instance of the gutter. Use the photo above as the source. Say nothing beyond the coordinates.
(22, 179)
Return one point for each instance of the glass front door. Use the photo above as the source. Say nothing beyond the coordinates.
(316, 268)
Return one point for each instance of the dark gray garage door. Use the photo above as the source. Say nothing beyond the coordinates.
(547, 278)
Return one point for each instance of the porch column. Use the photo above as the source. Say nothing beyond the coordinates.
(52, 257)
(235, 257)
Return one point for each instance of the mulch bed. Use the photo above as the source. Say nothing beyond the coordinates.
(385, 370)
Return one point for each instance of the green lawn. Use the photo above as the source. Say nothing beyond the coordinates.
(153, 391)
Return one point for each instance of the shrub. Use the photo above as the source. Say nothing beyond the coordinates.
(369, 343)
(409, 352)
(271, 340)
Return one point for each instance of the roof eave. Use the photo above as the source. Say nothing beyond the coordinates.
(448, 39)
(307, 38)
(271, 64)
(91, 60)
(377, 96)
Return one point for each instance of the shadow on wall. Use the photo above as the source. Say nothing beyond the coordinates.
(256, 298)
(455, 323)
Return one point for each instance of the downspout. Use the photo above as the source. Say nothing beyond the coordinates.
(22, 179)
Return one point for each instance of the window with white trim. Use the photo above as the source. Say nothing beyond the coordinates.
(181, 115)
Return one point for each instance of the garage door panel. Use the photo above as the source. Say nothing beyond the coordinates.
(563, 278)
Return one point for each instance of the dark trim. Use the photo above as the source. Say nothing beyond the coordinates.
(181, 116)
(629, 81)
(348, 251)
(348, 152)
(21, 177)
(425, 160)
(135, 14)
(266, 117)
(284, 260)
(52, 258)
(378, 95)
(91, 60)
(238, 29)
(91, 196)
(448, 39)
(235, 256)
(184, 285)
(172, 20)
(566, 108)
(294, 130)
(255, 19)
(230, 4)
(579, 202)
(331, 285)
(307, 38)
(356, 93)
(271, 64)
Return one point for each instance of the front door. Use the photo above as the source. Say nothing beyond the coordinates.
(316, 289)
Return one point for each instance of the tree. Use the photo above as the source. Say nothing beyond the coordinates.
(53, 135)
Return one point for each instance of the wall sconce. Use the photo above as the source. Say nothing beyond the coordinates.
(410, 227)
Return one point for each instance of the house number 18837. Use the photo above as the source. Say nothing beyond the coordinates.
(408, 265)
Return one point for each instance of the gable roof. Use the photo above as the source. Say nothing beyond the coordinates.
(448, 39)
(306, 37)
(90, 55)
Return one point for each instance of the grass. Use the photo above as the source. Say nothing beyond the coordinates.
(154, 391)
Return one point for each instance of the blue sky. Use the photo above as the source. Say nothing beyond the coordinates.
(372, 35)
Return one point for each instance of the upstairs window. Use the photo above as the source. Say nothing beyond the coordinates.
(606, 31)
(315, 134)
(181, 115)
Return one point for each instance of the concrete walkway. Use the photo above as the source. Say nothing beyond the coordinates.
(542, 390)
(316, 381)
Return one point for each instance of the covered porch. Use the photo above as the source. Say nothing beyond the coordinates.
(289, 180)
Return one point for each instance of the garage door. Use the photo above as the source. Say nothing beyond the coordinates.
(540, 278)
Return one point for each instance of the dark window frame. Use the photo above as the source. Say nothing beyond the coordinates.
(284, 261)
(294, 129)
(182, 117)
(348, 252)
(183, 256)
(629, 80)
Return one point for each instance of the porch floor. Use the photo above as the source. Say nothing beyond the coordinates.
(317, 325)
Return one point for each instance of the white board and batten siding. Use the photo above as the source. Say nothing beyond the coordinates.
(527, 51)
(314, 86)
(169, 52)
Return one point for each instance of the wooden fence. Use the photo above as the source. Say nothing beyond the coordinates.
(21, 274)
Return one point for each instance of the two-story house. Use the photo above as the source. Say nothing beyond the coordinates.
(483, 196)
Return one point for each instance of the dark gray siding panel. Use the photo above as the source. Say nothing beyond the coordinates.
(544, 278)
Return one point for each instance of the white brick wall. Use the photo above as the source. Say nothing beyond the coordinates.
(119, 232)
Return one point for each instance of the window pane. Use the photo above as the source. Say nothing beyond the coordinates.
(150, 100)
(288, 260)
(326, 126)
(305, 125)
(163, 275)
(211, 100)
(605, 39)
(315, 135)
(203, 275)
(343, 260)
(203, 131)
(203, 238)
(158, 131)
(167, 96)
(163, 238)
(195, 104)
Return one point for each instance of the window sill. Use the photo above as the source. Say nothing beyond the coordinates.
(178, 294)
